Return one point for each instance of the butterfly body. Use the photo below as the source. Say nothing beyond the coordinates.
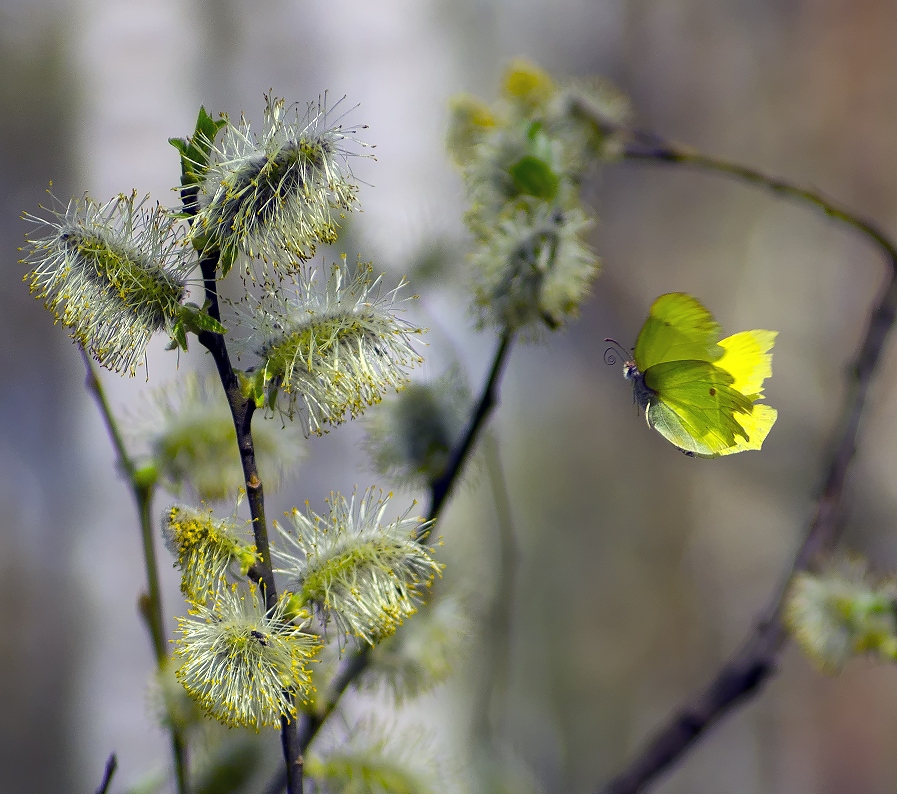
(698, 391)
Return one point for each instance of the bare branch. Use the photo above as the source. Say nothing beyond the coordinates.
(242, 410)
(108, 772)
(650, 147)
(744, 675)
(150, 602)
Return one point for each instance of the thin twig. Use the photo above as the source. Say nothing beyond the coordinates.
(242, 410)
(650, 147)
(355, 663)
(348, 671)
(441, 489)
(108, 772)
(747, 671)
(150, 603)
(501, 622)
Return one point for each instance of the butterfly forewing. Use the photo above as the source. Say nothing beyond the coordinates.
(748, 360)
(678, 328)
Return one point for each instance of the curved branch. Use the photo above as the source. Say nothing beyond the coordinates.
(355, 664)
(650, 147)
(441, 489)
(748, 670)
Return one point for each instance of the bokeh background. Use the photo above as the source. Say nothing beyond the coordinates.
(639, 570)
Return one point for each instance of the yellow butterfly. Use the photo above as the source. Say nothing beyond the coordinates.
(698, 391)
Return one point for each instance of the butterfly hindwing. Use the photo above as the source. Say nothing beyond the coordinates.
(703, 404)
(757, 426)
(669, 424)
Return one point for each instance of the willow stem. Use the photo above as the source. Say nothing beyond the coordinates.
(108, 772)
(442, 488)
(242, 410)
(143, 489)
(743, 676)
(649, 147)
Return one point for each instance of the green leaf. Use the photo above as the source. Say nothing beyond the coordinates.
(252, 386)
(534, 177)
(207, 127)
(181, 144)
(196, 320)
(200, 241)
(178, 336)
(227, 258)
(205, 322)
(191, 170)
(195, 150)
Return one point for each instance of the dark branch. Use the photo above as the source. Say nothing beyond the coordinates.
(748, 670)
(650, 147)
(441, 489)
(111, 766)
(242, 410)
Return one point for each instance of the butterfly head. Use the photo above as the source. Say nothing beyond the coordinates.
(631, 370)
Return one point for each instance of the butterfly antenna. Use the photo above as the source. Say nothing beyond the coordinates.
(610, 355)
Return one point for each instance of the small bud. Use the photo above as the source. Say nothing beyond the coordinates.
(469, 119)
(190, 433)
(411, 437)
(422, 655)
(526, 83)
(146, 476)
(598, 113)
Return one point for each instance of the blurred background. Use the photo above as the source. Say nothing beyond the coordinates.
(639, 570)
